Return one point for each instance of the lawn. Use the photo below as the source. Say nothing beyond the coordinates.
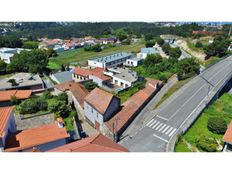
(221, 108)
(80, 55)
(173, 89)
(6, 75)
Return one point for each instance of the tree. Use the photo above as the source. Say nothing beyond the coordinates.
(51, 53)
(217, 125)
(148, 36)
(160, 41)
(152, 59)
(3, 66)
(218, 47)
(59, 107)
(207, 144)
(90, 85)
(34, 61)
(30, 45)
(198, 44)
(150, 43)
(121, 34)
(187, 67)
(97, 48)
(175, 52)
(166, 47)
(63, 97)
(14, 100)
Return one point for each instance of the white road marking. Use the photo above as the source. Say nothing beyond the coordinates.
(159, 126)
(165, 129)
(150, 122)
(162, 127)
(156, 124)
(172, 132)
(162, 117)
(160, 138)
(169, 130)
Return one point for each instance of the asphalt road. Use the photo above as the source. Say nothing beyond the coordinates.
(173, 113)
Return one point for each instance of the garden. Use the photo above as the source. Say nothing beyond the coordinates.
(48, 103)
(207, 132)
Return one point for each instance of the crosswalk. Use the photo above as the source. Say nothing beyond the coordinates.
(161, 127)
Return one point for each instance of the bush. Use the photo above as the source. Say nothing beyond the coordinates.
(63, 97)
(90, 85)
(198, 44)
(33, 105)
(47, 95)
(59, 107)
(14, 100)
(207, 144)
(217, 125)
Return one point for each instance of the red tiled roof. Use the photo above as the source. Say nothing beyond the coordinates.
(20, 94)
(96, 143)
(228, 135)
(131, 106)
(4, 117)
(35, 136)
(99, 99)
(98, 72)
(81, 71)
(78, 90)
(65, 86)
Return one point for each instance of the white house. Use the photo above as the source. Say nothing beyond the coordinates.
(100, 106)
(110, 61)
(122, 77)
(145, 51)
(6, 54)
(133, 62)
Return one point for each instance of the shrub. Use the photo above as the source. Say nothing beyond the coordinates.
(47, 95)
(14, 100)
(207, 144)
(33, 105)
(13, 82)
(63, 97)
(198, 44)
(90, 85)
(217, 125)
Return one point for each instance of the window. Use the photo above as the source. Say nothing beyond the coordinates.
(92, 110)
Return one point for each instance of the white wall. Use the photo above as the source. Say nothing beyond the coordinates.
(94, 63)
(119, 82)
(78, 78)
(96, 80)
(92, 114)
(6, 57)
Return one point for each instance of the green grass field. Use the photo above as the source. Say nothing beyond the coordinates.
(80, 55)
(221, 108)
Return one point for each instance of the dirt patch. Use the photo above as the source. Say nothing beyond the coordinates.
(199, 55)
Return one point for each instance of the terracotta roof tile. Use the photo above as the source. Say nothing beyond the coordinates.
(79, 92)
(99, 99)
(65, 86)
(81, 71)
(35, 136)
(228, 135)
(132, 105)
(20, 94)
(77, 89)
(98, 72)
(4, 117)
(96, 143)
